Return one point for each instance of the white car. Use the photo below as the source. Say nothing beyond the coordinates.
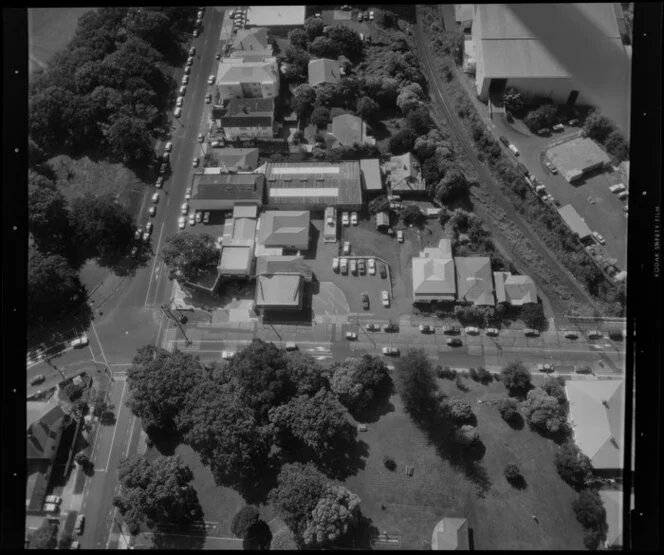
(192, 220)
(291, 346)
(343, 266)
(195, 33)
(195, 162)
(190, 60)
(177, 112)
(79, 342)
(187, 70)
(623, 195)
(155, 198)
(617, 188)
(372, 267)
(351, 335)
(200, 14)
(353, 218)
(558, 127)
(187, 194)
(148, 227)
(192, 51)
(199, 216)
(181, 222)
(551, 167)
(345, 220)
(335, 264)
(227, 355)
(385, 296)
(55, 499)
(599, 238)
(206, 217)
(400, 236)
(211, 79)
(346, 247)
(184, 208)
(51, 508)
(160, 182)
(185, 79)
(513, 149)
(492, 332)
(371, 15)
(179, 101)
(470, 330)
(152, 211)
(146, 236)
(201, 137)
(391, 351)
(168, 147)
(183, 90)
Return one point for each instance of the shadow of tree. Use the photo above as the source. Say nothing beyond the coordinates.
(518, 483)
(360, 537)
(259, 539)
(516, 422)
(379, 406)
(164, 442)
(256, 486)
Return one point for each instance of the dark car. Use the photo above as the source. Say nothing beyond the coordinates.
(163, 168)
(383, 272)
(361, 266)
(454, 342)
(504, 140)
(451, 330)
(390, 327)
(365, 301)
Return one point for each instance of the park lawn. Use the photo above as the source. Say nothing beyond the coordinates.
(501, 519)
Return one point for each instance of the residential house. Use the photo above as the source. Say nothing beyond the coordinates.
(324, 70)
(249, 118)
(232, 160)
(349, 130)
(433, 274)
(280, 282)
(405, 175)
(515, 290)
(451, 534)
(248, 77)
(474, 280)
(251, 42)
(287, 229)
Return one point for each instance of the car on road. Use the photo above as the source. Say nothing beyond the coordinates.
(192, 220)
(181, 222)
(551, 167)
(184, 208)
(385, 296)
(365, 300)
(594, 334)
(80, 524)
(599, 238)
(346, 249)
(471, 330)
(450, 330)
(391, 351)
(160, 182)
(571, 335)
(155, 198)
(492, 332)
(187, 193)
(454, 342)
(195, 162)
(187, 70)
(546, 368)
(372, 266)
(383, 271)
(179, 101)
(192, 51)
(168, 147)
(530, 332)
(185, 79)
(55, 499)
(79, 342)
(291, 346)
(371, 15)
(199, 216)
(195, 33)
(201, 137)
(390, 327)
(372, 327)
(152, 211)
(544, 132)
(353, 266)
(558, 127)
(351, 335)
(353, 218)
(208, 98)
(513, 149)
(345, 220)
(211, 79)
(138, 233)
(425, 328)
(317, 14)
(227, 355)
(400, 236)
(504, 140)
(206, 217)
(361, 266)
(39, 378)
(146, 236)
(343, 265)
(177, 112)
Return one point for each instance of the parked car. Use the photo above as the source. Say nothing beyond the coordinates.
(623, 195)
(146, 236)
(163, 168)
(291, 346)
(206, 217)
(353, 266)
(177, 112)
(179, 101)
(450, 330)
(211, 79)
(160, 182)
(343, 265)
(134, 251)
(513, 149)
(546, 368)
(55, 499)
(152, 211)
(195, 162)
(372, 327)
(360, 16)
(155, 198)
(571, 335)
(199, 216)
(559, 127)
(346, 248)
(187, 193)
(425, 328)
(351, 335)
(138, 233)
(361, 266)
(185, 79)
(187, 70)
(551, 167)
(372, 266)
(470, 330)
(599, 238)
(201, 137)
(227, 355)
(391, 351)
(335, 264)
(573, 122)
(454, 342)
(192, 51)
(190, 61)
(168, 147)
(353, 218)
(39, 378)
(208, 98)
(492, 332)
(317, 14)
(390, 327)
(617, 188)
(217, 56)
(365, 301)
(544, 132)
(383, 271)
(195, 33)
(385, 296)
(530, 332)
(51, 508)
(184, 208)
(148, 227)
(192, 220)
(400, 236)
(80, 524)
(79, 342)
(594, 334)
(504, 140)
(181, 222)
(345, 220)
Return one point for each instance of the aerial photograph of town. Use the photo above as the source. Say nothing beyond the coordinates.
(328, 277)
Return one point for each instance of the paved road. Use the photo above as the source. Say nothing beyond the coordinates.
(446, 112)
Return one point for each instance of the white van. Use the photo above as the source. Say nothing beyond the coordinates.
(617, 188)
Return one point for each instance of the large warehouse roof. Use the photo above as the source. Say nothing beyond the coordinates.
(575, 222)
(228, 186)
(274, 16)
(578, 155)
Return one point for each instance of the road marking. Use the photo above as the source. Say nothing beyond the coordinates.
(133, 423)
(156, 259)
(115, 429)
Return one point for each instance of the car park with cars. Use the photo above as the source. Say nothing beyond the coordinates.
(372, 266)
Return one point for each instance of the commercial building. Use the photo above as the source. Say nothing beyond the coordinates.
(596, 414)
(237, 247)
(570, 53)
(222, 191)
(405, 175)
(248, 77)
(474, 280)
(575, 222)
(287, 229)
(232, 160)
(515, 290)
(249, 118)
(578, 157)
(314, 185)
(280, 282)
(278, 19)
(433, 274)
(450, 534)
(372, 177)
(324, 70)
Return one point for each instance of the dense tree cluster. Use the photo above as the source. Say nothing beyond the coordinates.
(540, 118)
(516, 378)
(357, 380)
(590, 512)
(508, 409)
(244, 521)
(189, 255)
(543, 411)
(573, 466)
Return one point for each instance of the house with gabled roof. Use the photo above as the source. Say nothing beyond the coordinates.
(434, 275)
(248, 117)
(242, 77)
(405, 175)
(450, 534)
(516, 290)
(285, 229)
(349, 129)
(324, 70)
(280, 282)
(474, 280)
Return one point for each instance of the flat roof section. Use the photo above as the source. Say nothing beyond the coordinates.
(275, 16)
(236, 259)
(578, 155)
(575, 222)
(371, 174)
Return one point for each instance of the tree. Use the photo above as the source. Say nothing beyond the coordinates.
(81, 458)
(78, 410)
(313, 27)
(513, 100)
(65, 541)
(533, 315)
(432, 170)
(367, 108)
(459, 410)
(334, 515)
(306, 373)
(467, 435)
(516, 378)
(356, 380)
(617, 145)
(320, 117)
(386, 18)
(327, 94)
(298, 38)
(188, 255)
(597, 126)
(512, 473)
(299, 488)
(46, 536)
(589, 509)
(159, 382)
(156, 492)
(543, 411)
(284, 540)
(555, 387)
(508, 409)
(409, 98)
(419, 120)
(48, 218)
(297, 65)
(101, 225)
(573, 466)
(452, 186)
(402, 142)
(412, 215)
(303, 99)
(346, 42)
(323, 47)
(244, 520)
(593, 537)
(417, 384)
(544, 116)
(318, 422)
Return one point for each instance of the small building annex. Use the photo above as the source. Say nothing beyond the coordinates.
(349, 130)
(450, 534)
(372, 177)
(575, 222)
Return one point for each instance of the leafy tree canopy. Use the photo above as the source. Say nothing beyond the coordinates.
(46, 536)
(334, 515)
(416, 382)
(402, 142)
(188, 255)
(516, 378)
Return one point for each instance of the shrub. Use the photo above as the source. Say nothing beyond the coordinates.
(589, 509)
(459, 410)
(513, 100)
(446, 373)
(533, 315)
(389, 463)
(320, 116)
(617, 146)
(467, 435)
(244, 520)
(543, 411)
(516, 378)
(460, 384)
(544, 116)
(572, 465)
(474, 375)
(508, 409)
(73, 391)
(412, 215)
(484, 376)
(597, 126)
(512, 473)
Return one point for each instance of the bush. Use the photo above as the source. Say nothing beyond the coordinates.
(533, 315)
(459, 411)
(446, 373)
(484, 376)
(284, 540)
(617, 146)
(244, 520)
(320, 116)
(508, 409)
(597, 126)
(544, 411)
(412, 215)
(512, 473)
(402, 142)
(467, 435)
(513, 100)
(73, 391)
(389, 463)
(589, 510)
(516, 378)
(572, 465)
(542, 117)
(474, 375)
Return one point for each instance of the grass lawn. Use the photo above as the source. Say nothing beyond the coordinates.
(501, 519)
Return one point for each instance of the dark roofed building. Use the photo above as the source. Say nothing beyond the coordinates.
(221, 191)
(249, 117)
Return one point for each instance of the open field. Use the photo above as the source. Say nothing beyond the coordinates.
(49, 30)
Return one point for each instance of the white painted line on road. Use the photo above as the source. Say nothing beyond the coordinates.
(100, 345)
(156, 259)
(133, 423)
(115, 429)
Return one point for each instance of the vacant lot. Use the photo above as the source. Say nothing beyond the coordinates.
(501, 519)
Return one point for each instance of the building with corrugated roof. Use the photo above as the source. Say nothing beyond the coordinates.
(232, 160)
(474, 280)
(222, 191)
(278, 19)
